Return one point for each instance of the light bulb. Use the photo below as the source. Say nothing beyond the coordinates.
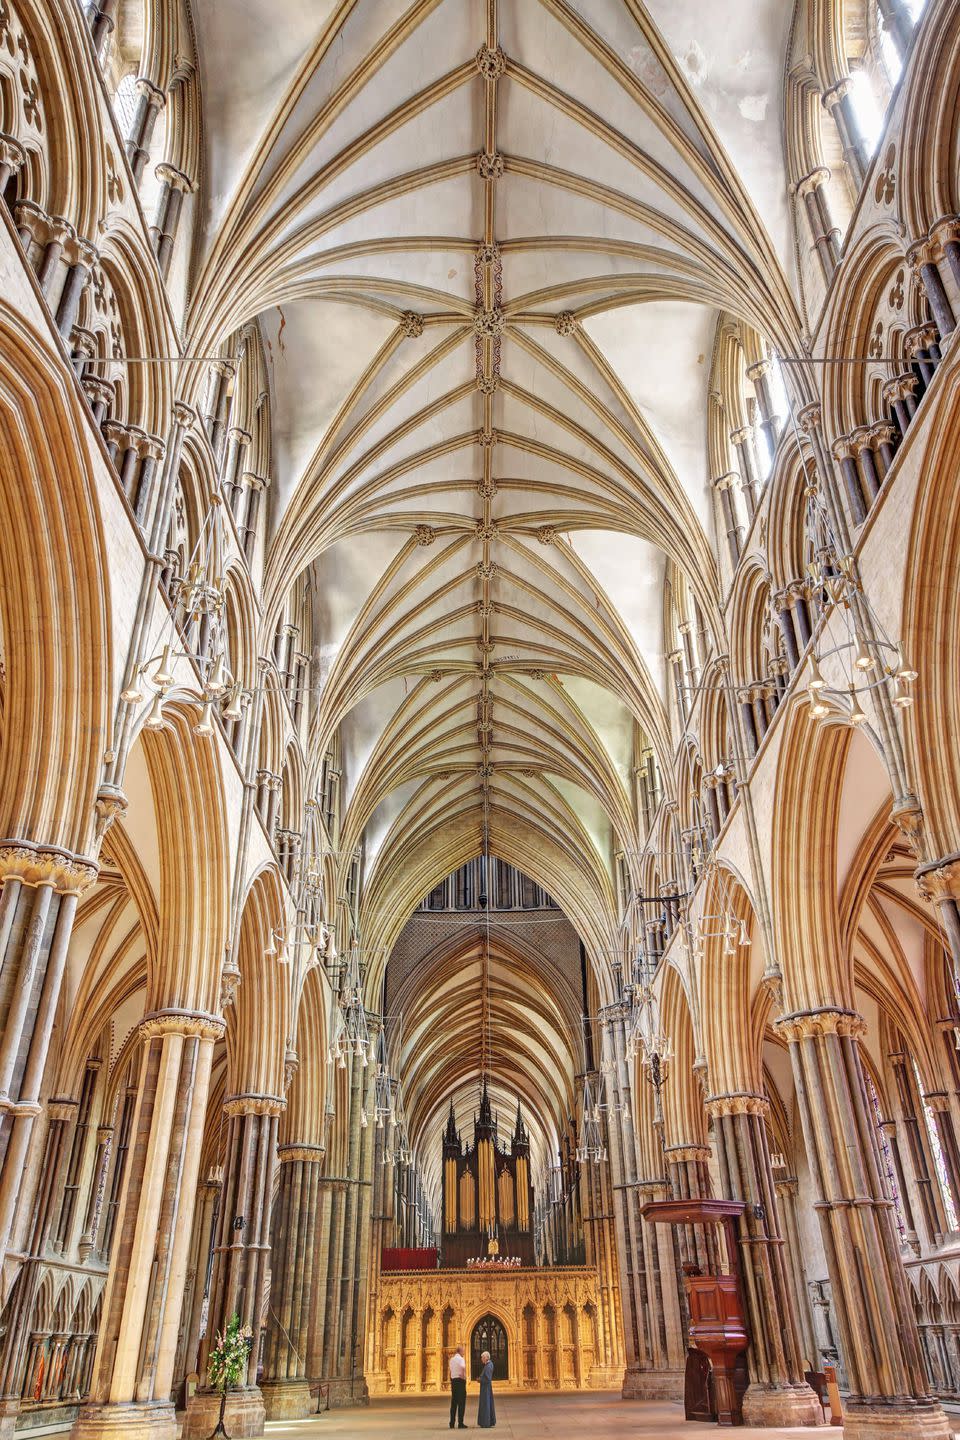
(857, 715)
(162, 679)
(816, 681)
(155, 720)
(863, 659)
(272, 947)
(901, 698)
(216, 680)
(132, 695)
(818, 707)
(904, 671)
(204, 725)
(233, 710)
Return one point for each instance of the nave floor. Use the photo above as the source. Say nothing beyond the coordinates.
(595, 1416)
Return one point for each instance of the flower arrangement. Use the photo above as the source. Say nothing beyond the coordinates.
(228, 1362)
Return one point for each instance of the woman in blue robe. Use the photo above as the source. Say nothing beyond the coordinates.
(486, 1415)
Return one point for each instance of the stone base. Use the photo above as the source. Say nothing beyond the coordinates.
(344, 1393)
(652, 1385)
(126, 1422)
(9, 1410)
(243, 1418)
(767, 1405)
(287, 1399)
(895, 1420)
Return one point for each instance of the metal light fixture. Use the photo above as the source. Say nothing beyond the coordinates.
(591, 1149)
(863, 658)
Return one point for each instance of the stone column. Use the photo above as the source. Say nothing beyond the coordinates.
(862, 440)
(151, 101)
(843, 449)
(837, 101)
(786, 1187)
(724, 487)
(225, 371)
(163, 232)
(742, 441)
(778, 1393)
(197, 1285)
(653, 1352)
(938, 882)
(812, 190)
(285, 1386)
(888, 1391)
(83, 257)
(39, 891)
(240, 1260)
(133, 1369)
(770, 421)
(922, 259)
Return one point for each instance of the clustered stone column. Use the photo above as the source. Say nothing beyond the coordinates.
(240, 1258)
(136, 1349)
(652, 1365)
(812, 190)
(778, 1393)
(285, 1386)
(888, 1390)
(38, 901)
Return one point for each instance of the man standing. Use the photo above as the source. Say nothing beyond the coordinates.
(458, 1388)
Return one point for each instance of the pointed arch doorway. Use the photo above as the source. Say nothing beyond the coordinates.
(489, 1334)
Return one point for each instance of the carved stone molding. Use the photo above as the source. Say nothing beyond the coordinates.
(311, 1154)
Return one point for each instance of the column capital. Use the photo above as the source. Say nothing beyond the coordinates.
(151, 92)
(33, 864)
(919, 337)
(736, 1102)
(830, 1020)
(842, 448)
(835, 93)
(939, 880)
(183, 1022)
(175, 178)
(810, 418)
(681, 1154)
(812, 181)
(254, 1104)
(311, 1154)
(12, 152)
(922, 252)
(946, 231)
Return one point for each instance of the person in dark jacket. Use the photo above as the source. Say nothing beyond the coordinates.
(487, 1414)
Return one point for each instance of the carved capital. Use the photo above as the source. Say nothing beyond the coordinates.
(810, 418)
(831, 1020)
(254, 1104)
(198, 1023)
(308, 1154)
(683, 1154)
(812, 180)
(940, 881)
(737, 1102)
(38, 865)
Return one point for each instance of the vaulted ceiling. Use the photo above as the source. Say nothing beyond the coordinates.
(487, 242)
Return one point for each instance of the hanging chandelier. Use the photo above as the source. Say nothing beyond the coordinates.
(591, 1148)
(384, 1085)
(351, 1034)
(722, 923)
(863, 658)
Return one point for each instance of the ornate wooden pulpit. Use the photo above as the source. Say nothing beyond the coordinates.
(718, 1324)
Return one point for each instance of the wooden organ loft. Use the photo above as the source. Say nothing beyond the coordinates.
(487, 1192)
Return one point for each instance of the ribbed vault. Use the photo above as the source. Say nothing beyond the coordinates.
(487, 245)
(508, 1007)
